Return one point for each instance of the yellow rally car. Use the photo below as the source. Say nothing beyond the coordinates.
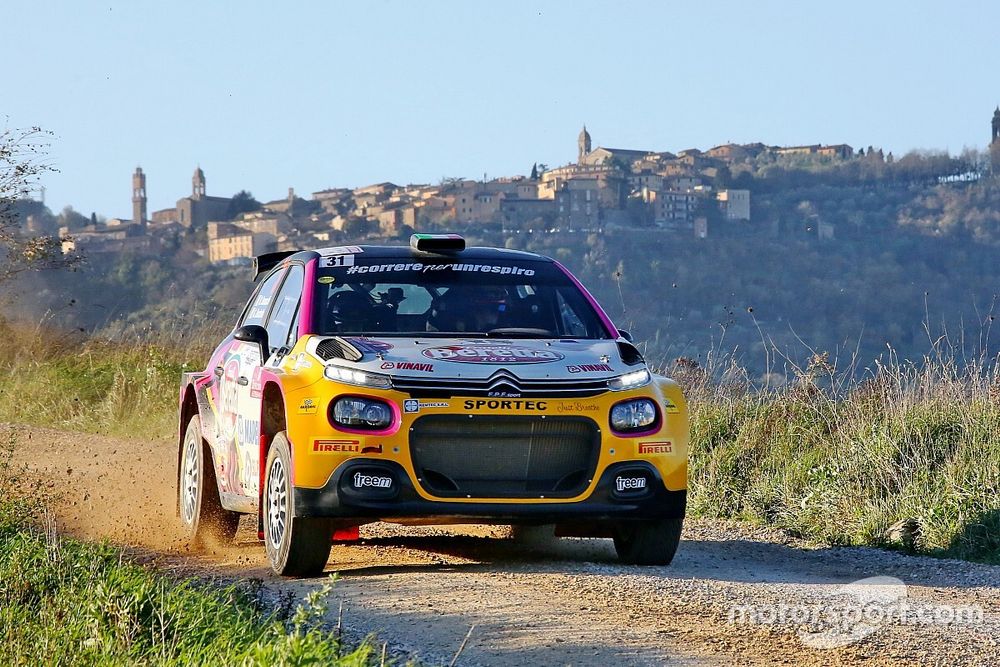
(428, 384)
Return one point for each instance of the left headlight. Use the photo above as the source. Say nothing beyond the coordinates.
(356, 377)
(637, 414)
(359, 412)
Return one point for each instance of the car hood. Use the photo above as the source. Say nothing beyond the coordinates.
(473, 358)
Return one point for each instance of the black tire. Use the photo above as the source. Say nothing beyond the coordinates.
(296, 546)
(205, 521)
(648, 542)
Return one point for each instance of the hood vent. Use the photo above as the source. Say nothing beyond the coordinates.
(630, 353)
(337, 348)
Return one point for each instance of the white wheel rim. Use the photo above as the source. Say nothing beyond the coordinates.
(189, 495)
(277, 497)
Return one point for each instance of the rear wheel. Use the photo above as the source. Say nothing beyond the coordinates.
(204, 519)
(648, 542)
(296, 546)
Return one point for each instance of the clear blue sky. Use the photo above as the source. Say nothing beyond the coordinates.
(315, 95)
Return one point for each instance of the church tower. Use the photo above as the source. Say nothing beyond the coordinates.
(198, 184)
(996, 126)
(583, 144)
(139, 197)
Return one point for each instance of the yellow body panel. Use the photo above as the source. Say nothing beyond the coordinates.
(319, 448)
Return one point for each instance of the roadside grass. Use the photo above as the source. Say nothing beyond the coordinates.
(907, 456)
(65, 602)
(903, 455)
(122, 386)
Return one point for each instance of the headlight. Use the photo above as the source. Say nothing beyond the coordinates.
(629, 380)
(360, 378)
(363, 413)
(637, 414)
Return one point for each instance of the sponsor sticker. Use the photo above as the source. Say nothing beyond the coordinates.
(326, 280)
(506, 404)
(654, 448)
(257, 384)
(576, 406)
(302, 361)
(590, 368)
(670, 407)
(362, 481)
(343, 250)
(413, 405)
(407, 366)
(491, 354)
(308, 406)
(630, 483)
(336, 446)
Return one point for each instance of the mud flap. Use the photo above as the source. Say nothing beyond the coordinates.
(351, 534)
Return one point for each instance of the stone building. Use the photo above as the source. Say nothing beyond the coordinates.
(672, 207)
(995, 142)
(198, 209)
(735, 204)
(228, 243)
(521, 210)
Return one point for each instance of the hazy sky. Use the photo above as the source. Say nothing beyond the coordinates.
(316, 95)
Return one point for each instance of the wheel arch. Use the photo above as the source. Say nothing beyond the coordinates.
(273, 420)
(188, 409)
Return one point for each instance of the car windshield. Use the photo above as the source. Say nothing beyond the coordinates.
(490, 297)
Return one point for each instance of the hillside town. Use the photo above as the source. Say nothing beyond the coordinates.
(603, 188)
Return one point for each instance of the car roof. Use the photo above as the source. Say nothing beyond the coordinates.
(406, 252)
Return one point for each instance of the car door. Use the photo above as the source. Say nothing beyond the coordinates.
(237, 424)
(279, 321)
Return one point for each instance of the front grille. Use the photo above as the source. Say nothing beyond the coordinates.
(488, 456)
(502, 383)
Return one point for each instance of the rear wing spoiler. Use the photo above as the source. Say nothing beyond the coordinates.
(264, 263)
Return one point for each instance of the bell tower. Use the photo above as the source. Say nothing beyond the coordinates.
(198, 184)
(139, 197)
(583, 144)
(996, 126)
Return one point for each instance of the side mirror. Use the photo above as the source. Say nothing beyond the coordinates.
(254, 333)
(625, 334)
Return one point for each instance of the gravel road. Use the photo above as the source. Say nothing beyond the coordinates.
(734, 594)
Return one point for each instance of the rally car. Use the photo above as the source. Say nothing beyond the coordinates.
(428, 384)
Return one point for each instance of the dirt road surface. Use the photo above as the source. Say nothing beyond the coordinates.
(734, 595)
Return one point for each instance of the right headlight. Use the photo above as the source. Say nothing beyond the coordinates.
(636, 414)
(629, 380)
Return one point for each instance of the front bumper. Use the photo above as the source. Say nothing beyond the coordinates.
(338, 498)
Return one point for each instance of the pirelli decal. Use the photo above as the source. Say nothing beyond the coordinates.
(336, 446)
(654, 448)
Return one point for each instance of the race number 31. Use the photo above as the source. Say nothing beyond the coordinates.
(339, 260)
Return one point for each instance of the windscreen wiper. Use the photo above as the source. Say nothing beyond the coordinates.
(519, 332)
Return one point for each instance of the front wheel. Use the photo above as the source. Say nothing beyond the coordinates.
(648, 542)
(205, 521)
(296, 546)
